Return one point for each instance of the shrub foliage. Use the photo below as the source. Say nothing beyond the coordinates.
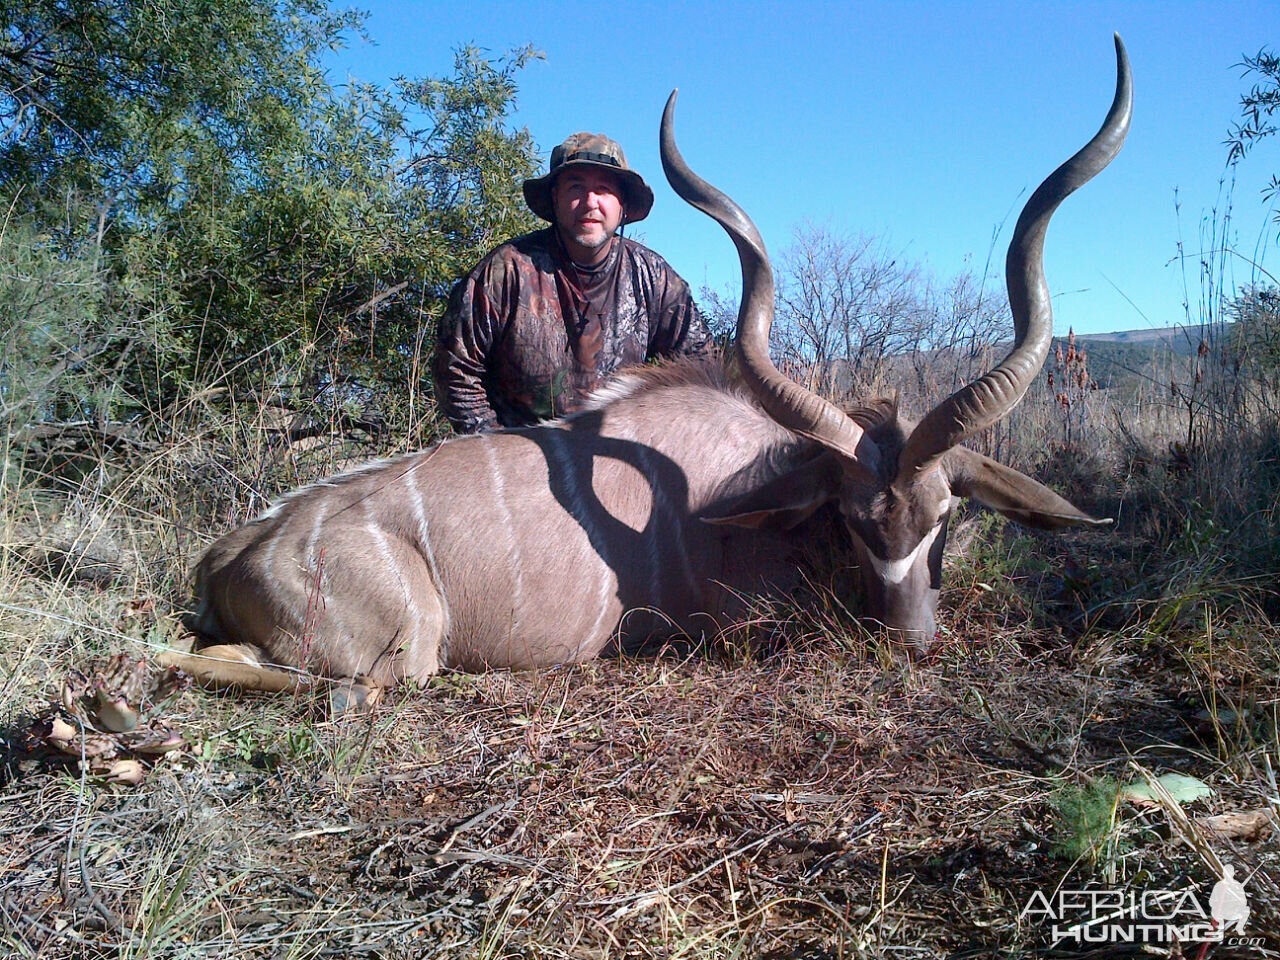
(219, 212)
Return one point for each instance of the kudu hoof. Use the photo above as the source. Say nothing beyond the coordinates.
(352, 697)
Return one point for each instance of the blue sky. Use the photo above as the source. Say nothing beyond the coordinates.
(926, 124)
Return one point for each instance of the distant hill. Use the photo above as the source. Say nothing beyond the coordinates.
(1180, 340)
(1131, 363)
(1129, 360)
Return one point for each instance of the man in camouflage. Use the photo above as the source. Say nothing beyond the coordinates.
(545, 318)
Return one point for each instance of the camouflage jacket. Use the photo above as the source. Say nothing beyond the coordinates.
(528, 335)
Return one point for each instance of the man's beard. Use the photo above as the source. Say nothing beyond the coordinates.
(588, 237)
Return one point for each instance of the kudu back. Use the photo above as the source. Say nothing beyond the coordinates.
(680, 491)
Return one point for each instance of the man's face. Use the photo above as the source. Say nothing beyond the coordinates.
(588, 208)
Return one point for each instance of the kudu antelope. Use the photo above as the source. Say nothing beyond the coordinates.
(677, 493)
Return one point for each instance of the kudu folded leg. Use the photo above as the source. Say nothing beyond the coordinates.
(239, 666)
(226, 665)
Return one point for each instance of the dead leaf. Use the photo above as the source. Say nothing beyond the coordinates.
(114, 713)
(1239, 825)
(61, 734)
(157, 743)
(89, 747)
(139, 606)
(130, 772)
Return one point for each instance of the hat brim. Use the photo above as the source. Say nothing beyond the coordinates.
(638, 195)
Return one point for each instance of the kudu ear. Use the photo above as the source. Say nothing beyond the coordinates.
(1014, 494)
(783, 502)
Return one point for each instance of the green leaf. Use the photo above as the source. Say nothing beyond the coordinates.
(1182, 788)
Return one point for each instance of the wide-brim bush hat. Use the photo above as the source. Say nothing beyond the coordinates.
(596, 150)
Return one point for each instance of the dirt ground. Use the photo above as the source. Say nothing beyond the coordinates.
(825, 800)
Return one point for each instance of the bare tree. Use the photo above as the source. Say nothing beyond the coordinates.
(845, 306)
(855, 319)
(965, 319)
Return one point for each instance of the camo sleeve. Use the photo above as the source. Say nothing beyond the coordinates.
(680, 330)
(464, 338)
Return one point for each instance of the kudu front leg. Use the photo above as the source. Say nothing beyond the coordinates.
(242, 666)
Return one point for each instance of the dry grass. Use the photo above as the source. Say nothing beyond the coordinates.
(807, 803)
(814, 798)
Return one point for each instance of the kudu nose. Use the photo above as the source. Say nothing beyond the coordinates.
(914, 642)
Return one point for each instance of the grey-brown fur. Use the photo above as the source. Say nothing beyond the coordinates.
(673, 495)
(521, 548)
